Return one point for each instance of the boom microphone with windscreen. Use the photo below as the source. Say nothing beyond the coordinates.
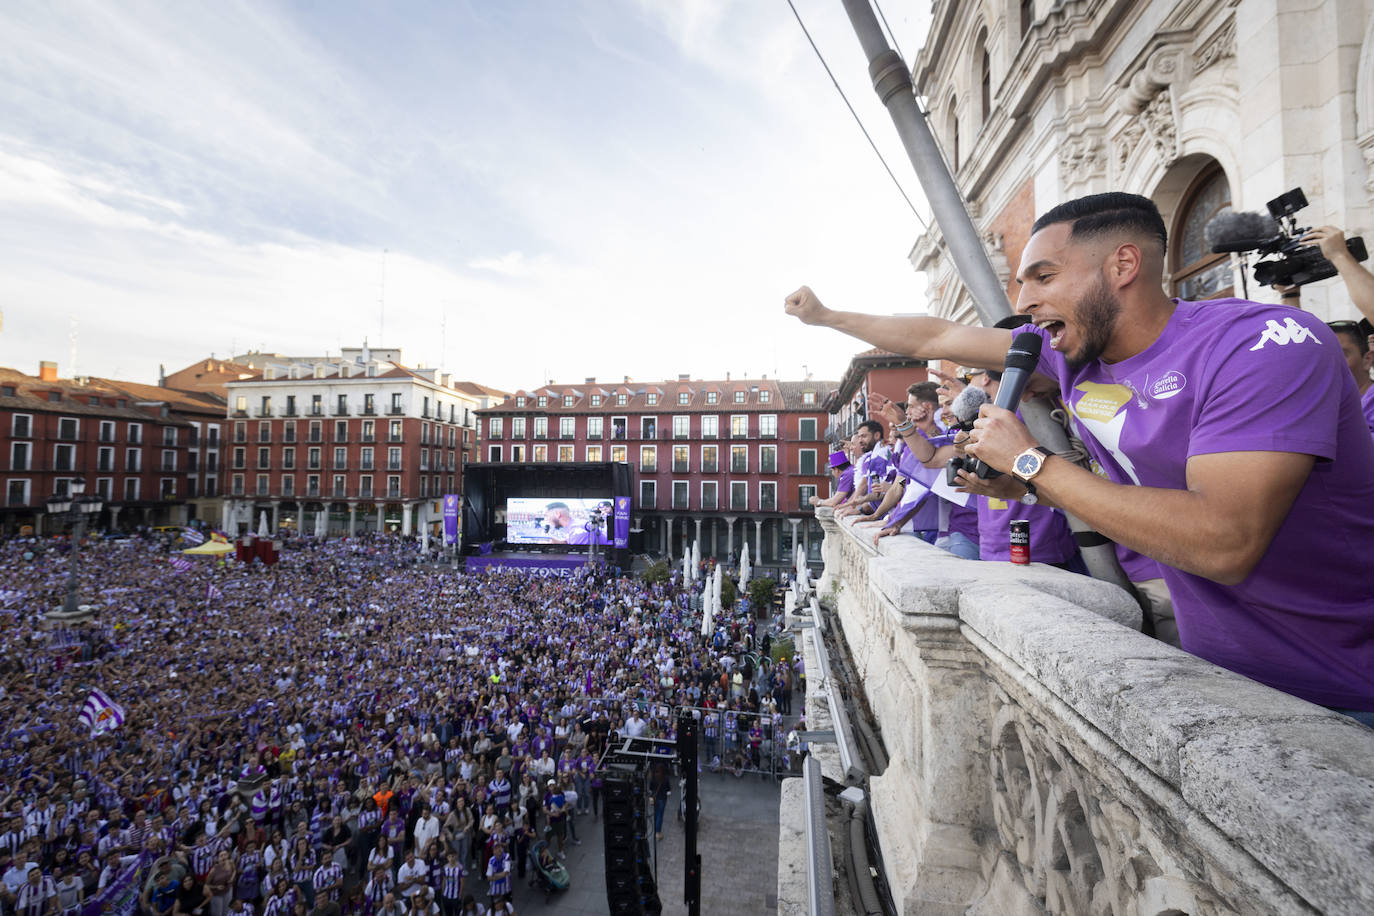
(1022, 359)
(1241, 231)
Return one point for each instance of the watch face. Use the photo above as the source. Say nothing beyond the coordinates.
(1027, 465)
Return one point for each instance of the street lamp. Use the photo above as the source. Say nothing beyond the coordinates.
(75, 507)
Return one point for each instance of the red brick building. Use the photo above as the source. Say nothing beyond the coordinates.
(722, 462)
(55, 431)
(354, 442)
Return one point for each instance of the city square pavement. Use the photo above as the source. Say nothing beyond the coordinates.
(738, 842)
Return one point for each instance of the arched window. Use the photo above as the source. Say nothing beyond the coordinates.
(984, 75)
(1197, 273)
(952, 124)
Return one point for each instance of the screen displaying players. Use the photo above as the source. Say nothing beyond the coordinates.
(558, 520)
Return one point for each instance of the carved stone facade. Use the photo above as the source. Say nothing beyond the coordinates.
(1045, 758)
(1093, 95)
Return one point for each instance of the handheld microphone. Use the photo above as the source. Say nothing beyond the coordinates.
(1240, 231)
(1022, 359)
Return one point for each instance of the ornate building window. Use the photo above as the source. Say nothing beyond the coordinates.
(984, 75)
(1197, 273)
(952, 123)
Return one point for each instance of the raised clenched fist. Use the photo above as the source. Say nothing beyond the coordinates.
(803, 304)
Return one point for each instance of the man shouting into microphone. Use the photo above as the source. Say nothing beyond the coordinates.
(1227, 438)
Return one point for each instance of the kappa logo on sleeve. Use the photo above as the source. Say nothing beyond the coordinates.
(1284, 334)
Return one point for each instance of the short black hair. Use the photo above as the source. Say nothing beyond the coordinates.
(1354, 331)
(557, 505)
(925, 391)
(1097, 214)
(873, 426)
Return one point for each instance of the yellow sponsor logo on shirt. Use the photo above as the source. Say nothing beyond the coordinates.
(1100, 402)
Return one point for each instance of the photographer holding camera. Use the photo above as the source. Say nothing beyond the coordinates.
(1358, 281)
(1229, 436)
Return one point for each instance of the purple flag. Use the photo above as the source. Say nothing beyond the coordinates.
(622, 521)
(451, 518)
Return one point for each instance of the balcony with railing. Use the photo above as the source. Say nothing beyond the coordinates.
(240, 436)
(739, 465)
(339, 492)
(768, 501)
(393, 465)
(395, 410)
(681, 467)
(367, 437)
(312, 491)
(393, 492)
(313, 464)
(263, 412)
(1076, 764)
(289, 436)
(366, 464)
(365, 491)
(315, 436)
(107, 435)
(236, 488)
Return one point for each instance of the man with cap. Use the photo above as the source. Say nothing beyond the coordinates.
(842, 474)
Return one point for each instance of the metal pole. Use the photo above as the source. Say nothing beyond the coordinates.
(892, 82)
(78, 527)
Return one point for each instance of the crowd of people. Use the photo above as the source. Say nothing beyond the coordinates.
(1224, 448)
(346, 731)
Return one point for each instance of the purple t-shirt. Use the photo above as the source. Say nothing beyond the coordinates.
(919, 480)
(1368, 403)
(1226, 376)
(846, 482)
(1051, 539)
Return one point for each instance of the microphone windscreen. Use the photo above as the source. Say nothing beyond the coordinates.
(1238, 230)
(966, 403)
(1025, 351)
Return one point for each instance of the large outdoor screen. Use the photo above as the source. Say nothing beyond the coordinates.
(557, 520)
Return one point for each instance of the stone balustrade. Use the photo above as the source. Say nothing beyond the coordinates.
(1045, 756)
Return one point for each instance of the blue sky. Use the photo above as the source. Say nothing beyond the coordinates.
(516, 191)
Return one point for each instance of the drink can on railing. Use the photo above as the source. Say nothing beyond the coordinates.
(1020, 541)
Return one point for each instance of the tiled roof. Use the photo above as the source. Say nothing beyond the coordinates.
(32, 394)
(780, 396)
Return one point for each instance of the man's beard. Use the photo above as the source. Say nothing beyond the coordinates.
(1095, 314)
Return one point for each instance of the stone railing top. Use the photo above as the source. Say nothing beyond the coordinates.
(1290, 782)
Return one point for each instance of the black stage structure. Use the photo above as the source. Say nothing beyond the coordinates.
(487, 486)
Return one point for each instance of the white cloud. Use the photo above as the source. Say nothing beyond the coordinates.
(633, 196)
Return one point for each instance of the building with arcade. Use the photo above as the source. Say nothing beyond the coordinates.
(720, 462)
(340, 444)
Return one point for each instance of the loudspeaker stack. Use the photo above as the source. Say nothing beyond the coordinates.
(630, 888)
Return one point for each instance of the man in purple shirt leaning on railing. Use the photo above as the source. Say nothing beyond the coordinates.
(1227, 439)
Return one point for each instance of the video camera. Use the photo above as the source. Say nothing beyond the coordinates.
(1287, 260)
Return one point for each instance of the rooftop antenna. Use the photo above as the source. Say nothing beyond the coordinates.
(381, 329)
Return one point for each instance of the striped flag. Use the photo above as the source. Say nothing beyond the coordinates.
(101, 714)
(192, 536)
(211, 593)
(181, 564)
